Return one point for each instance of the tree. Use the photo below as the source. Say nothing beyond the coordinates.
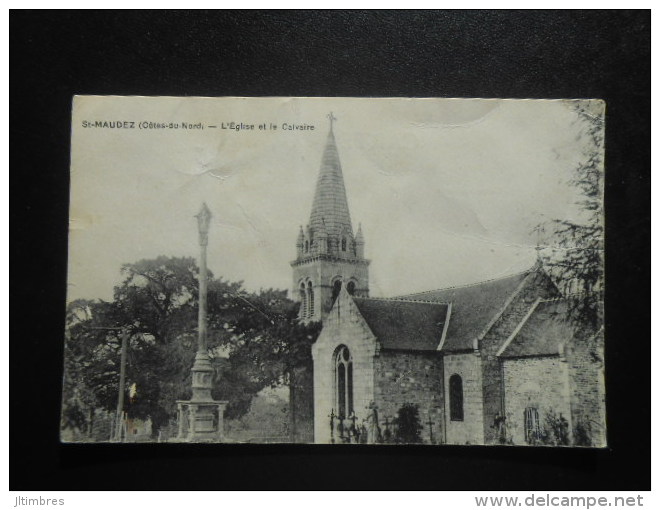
(156, 304)
(91, 359)
(574, 248)
(268, 347)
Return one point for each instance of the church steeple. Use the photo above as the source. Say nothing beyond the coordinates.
(329, 256)
(330, 204)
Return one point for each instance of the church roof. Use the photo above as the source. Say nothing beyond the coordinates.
(473, 308)
(404, 325)
(541, 333)
(330, 205)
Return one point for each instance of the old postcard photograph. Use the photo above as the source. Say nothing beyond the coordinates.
(336, 271)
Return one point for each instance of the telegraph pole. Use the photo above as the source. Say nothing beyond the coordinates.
(116, 432)
(122, 385)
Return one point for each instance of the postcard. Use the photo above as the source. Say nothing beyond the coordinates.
(336, 270)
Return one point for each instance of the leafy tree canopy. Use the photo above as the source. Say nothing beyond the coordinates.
(573, 248)
(254, 338)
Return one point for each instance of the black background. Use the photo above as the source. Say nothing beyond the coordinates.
(519, 54)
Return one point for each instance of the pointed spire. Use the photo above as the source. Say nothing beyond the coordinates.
(330, 202)
(359, 237)
(300, 242)
(359, 243)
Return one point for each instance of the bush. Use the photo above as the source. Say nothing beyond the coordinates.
(408, 425)
(555, 432)
(582, 434)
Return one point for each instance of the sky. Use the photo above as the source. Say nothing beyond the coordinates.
(447, 191)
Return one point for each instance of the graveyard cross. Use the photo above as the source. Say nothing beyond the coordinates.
(332, 425)
(430, 423)
(388, 433)
(353, 431)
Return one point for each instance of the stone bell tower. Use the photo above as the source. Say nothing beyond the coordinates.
(329, 255)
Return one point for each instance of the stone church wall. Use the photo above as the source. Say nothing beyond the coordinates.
(587, 383)
(343, 326)
(301, 405)
(470, 429)
(410, 377)
(540, 383)
(535, 286)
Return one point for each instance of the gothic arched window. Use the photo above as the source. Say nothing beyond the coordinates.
(336, 288)
(343, 244)
(303, 301)
(456, 398)
(306, 246)
(344, 382)
(310, 300)
(351, 287)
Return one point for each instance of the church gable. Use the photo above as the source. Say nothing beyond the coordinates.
(344, 321)
(392, 346)
(563, 367)
(543, 332)
(534, 372)
(343, 366)
(536, 286)
(473, 308)
(479, 311)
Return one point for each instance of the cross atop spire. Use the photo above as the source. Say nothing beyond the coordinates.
(332, 119)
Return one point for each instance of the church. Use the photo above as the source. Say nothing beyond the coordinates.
(494, 362)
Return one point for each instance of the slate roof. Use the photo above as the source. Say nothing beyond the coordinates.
(404, 325)
(542, 333)
(330, 207)
(473, 307)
